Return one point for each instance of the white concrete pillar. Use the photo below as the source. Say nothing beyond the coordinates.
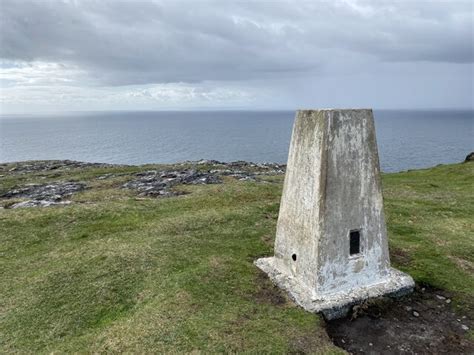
(331, 248)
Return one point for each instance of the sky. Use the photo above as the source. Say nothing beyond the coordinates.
(169, 55)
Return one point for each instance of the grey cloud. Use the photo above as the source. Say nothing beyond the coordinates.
(182, 41)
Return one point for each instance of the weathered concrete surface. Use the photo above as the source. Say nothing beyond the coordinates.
(332, 186)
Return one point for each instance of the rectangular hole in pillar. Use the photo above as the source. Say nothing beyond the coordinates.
(354, 242)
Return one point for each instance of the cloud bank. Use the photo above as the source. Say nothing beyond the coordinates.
(200, 51)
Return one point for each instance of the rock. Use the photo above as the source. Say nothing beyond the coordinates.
(240, 163)
(158, 183)
(51, 191)
(210, 179)
(448, 301)
(416, 314)
(221, 171)
(469, 157)
(247, 178)
(440, 297)
(208, 162)
(39, 203)
(44, 195)
(147, 173)
(105, 176)
(49, 165)
(148, 183)
(464, 327)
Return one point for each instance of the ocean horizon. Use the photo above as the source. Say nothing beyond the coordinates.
(407, 138)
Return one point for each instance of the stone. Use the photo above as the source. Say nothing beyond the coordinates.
(469, 157)
(158, 183)
(27, 167)
(331, 248)
(44, 195)
(416, 314)
(39, 203)
(154, 183)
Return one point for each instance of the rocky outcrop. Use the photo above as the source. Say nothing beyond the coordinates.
(39, 203)
(43, 195)
(26, 167)
(159, 183)
(150, 183)
(469, 157)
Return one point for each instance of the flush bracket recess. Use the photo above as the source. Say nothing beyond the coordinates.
(354, 242)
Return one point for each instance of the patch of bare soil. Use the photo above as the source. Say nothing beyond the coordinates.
(421, 323)
(309, 343)
(268, 292)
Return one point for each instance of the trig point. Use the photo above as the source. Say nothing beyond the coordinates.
(331, 248)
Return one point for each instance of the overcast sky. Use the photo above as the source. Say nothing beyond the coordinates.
(112, 55)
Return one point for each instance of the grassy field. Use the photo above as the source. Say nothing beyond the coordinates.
(114, 272)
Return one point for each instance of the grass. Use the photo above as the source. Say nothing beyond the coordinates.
(113, 272)
(431, 226)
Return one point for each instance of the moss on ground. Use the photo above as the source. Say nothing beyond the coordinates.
(113, 272)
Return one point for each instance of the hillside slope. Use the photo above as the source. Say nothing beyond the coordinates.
(120, 270)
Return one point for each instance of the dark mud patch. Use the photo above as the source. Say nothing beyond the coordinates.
(267, 292)
(421, 323)
(268, 239)
(400, 257)
(308, 343)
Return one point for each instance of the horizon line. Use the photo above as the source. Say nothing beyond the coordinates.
(229, 109)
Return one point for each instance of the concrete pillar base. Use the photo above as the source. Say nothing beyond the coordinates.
(334, 305)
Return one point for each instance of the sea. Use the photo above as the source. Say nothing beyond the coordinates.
(407, 139)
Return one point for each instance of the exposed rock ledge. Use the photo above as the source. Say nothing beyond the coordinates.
(31, 166)
(469, 157)
(151, 183)
(44, 195)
